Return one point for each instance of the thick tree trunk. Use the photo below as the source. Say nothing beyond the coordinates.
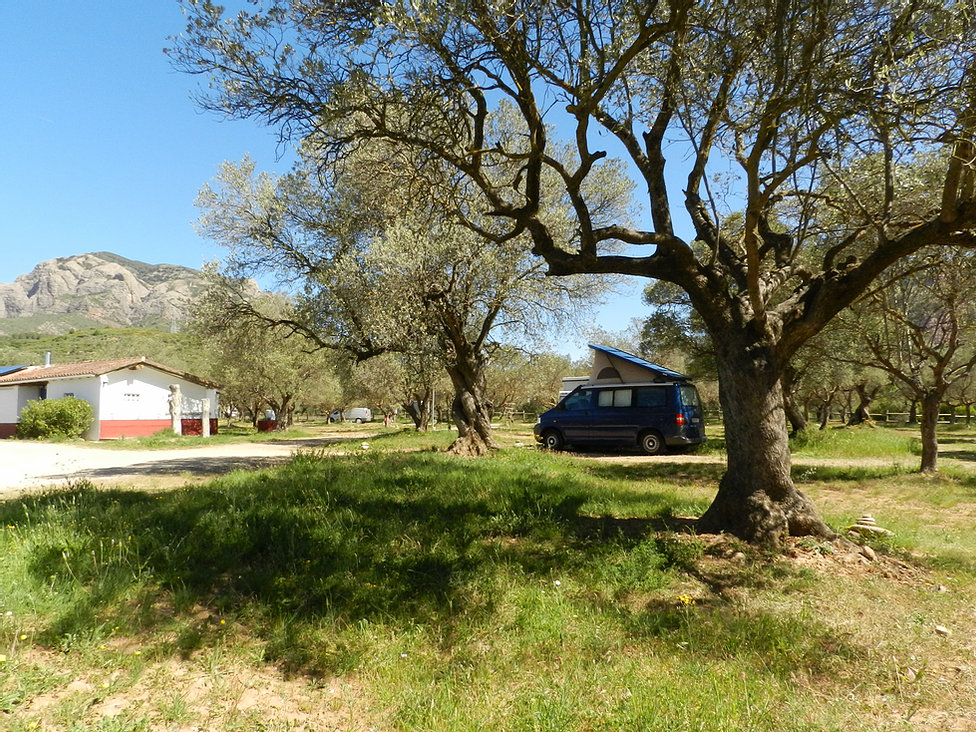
(930, 441)
(419, 410)
(825, 411)
(862, 415)
(756, 499)
(282, 409)
(796, 417)
(469, 409)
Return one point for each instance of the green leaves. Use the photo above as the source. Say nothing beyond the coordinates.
(47, 418)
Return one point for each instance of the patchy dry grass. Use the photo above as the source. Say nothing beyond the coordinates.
(414, 591)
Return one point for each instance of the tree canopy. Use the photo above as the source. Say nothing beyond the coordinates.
(763, 109)
(387, 253)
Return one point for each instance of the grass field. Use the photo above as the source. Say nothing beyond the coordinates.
(402, 589)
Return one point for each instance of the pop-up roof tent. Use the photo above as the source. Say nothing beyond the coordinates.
(613, 366)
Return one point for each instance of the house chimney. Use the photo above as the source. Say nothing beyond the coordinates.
(47, 358)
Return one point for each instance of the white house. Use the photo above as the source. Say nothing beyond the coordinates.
(130, 396)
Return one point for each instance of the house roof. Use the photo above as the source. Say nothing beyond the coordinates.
(658, 371)
(33, 374)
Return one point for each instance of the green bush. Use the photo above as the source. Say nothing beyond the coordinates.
(66, 417)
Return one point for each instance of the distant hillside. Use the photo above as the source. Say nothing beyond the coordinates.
(94, 290)
(177, 350)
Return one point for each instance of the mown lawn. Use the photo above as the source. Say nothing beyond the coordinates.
(527, 591)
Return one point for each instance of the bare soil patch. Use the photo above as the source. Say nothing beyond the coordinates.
(31, 466)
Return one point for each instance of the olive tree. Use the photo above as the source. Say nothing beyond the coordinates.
(259, 365)
(720, 107)
(920, 330)
(383, 255)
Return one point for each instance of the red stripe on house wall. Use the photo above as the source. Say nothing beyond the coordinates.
(115, 428)
(195, 426)
(112, 428)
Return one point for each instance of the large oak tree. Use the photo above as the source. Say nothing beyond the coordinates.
(750, 107)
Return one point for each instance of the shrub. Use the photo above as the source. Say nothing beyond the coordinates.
(66, 417)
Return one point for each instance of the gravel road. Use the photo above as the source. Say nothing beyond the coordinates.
(26, 466)
(32, 466)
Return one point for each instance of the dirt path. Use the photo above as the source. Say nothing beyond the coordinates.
(31, 466)
(26, 466)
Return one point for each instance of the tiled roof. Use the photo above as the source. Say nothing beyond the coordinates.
(637, 361)
(90, 368)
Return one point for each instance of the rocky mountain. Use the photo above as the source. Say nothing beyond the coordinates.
(99, 289)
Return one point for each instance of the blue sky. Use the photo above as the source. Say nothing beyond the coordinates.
(102, 147)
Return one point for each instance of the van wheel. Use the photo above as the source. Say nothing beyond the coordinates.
(552, 440)
(359, 420)
(651, 443)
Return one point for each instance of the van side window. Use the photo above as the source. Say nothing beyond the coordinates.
(651, 396)
(579, 400)
(616, 397)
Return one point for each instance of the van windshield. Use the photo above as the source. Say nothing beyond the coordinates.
(581, 399)
(689, 396)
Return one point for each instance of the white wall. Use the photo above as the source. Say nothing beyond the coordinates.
(9, 412)
(143, 393)
(26, 393)
(13, 399)
(81, 388)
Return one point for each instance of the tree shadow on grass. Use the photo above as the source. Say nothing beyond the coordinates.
(406, 540)
(836, 473)
(675, 472)
(963, 455)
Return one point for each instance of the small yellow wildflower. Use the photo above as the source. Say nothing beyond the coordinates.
(686, 600)
(3, 657)
(23, 636)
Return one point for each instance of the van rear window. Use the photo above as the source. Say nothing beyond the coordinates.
(689, 396)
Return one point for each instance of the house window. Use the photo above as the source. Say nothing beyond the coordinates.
(69, 394)
(130, 397)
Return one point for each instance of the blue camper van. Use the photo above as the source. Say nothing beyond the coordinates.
(651, 416)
